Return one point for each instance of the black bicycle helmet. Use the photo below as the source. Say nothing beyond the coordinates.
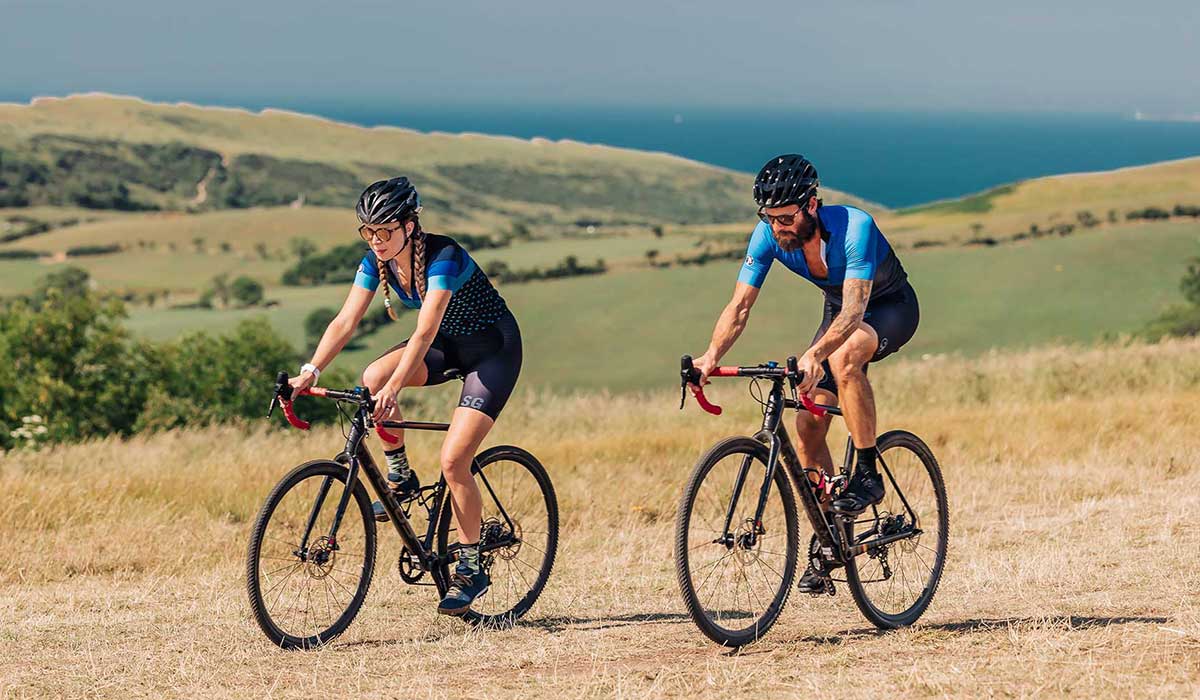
(785, 179)
(388, 200)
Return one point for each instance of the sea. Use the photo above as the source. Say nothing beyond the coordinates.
(898, 159)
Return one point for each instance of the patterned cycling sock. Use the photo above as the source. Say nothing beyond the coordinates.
(468, 557)
(397, 461)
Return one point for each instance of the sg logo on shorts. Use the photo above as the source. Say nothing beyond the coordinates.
(468, 401)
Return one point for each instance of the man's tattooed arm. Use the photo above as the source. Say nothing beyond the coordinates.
(855, 295)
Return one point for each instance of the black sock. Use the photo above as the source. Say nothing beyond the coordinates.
(866, 460)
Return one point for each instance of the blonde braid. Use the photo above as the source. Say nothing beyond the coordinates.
(418, 261)
(387, 295)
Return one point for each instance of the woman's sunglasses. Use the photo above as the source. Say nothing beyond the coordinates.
(382, 232)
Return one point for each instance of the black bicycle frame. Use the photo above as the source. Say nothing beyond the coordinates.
(358, 458)
(829, 528)
(775, 436)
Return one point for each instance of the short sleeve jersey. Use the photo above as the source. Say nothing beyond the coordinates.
(855, 249)
(474, 302)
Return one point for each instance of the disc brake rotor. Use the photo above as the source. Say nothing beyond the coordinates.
(747, 543)
(321, 557)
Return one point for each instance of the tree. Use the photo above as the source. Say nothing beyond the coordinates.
(246, 290)
(302, 247)
(70, 362)
(1190, 284)
(520, 231)
(70, 282)
(220, 288)
(315, 324)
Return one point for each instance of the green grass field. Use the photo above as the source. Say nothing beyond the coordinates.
(626, 329)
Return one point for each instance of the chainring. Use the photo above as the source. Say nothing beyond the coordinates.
(409, 567)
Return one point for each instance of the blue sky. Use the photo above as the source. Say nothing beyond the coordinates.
(1065, 55)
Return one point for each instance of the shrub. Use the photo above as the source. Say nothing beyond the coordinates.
(246, 291)
(21, 254)
(1190, 284)
(80, 251)
(315, 324)
(1148, 213)
(70, 361)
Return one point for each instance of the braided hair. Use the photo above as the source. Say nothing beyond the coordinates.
(416, 269)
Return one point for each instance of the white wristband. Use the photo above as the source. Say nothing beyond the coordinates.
(310, 367)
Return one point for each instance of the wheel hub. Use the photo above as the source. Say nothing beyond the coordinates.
(749, 544)
(321, 557)
(493, 531)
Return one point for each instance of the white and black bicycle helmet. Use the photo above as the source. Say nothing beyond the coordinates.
(785, 179)
(388, 200)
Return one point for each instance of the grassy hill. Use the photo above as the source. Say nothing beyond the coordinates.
(1049, 201)
(81, 149)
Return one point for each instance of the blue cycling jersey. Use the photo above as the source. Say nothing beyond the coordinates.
(474, 303)
(854, 249)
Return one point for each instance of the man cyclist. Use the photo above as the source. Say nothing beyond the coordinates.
(870, 312)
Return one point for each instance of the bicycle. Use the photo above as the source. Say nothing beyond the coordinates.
(309, 566)
(736, 513)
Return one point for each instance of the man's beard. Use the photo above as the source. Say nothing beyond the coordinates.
(792, 241)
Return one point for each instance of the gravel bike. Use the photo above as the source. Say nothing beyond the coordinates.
(312, 547)
(737, 539)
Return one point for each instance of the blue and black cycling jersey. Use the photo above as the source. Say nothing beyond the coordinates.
(475, 305)
(854, 249)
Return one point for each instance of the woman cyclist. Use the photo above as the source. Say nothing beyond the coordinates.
(462, 323)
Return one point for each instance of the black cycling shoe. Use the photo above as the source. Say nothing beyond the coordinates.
(404, 490)
(864, 490)
(816, 580)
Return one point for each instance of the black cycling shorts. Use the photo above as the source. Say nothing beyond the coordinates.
(894, 317)
(490, 361)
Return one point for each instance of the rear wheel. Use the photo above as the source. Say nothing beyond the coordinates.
(894, 583)
(518, 535)
(735, 573)
(305, 588)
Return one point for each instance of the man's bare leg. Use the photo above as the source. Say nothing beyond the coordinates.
(811, 434)
(858, 407)
(858, 401)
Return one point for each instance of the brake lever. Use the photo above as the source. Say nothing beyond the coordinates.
(283, 392)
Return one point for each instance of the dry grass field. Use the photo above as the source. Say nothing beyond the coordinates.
(1073, 483)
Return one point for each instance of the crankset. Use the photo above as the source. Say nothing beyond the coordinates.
(410, 567)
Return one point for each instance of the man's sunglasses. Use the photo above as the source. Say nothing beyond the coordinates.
(383, 232)
(781, 219)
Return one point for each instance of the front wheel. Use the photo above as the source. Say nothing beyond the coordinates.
(306, 586)
(735, 572)
(518, 534)
(894, 583)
